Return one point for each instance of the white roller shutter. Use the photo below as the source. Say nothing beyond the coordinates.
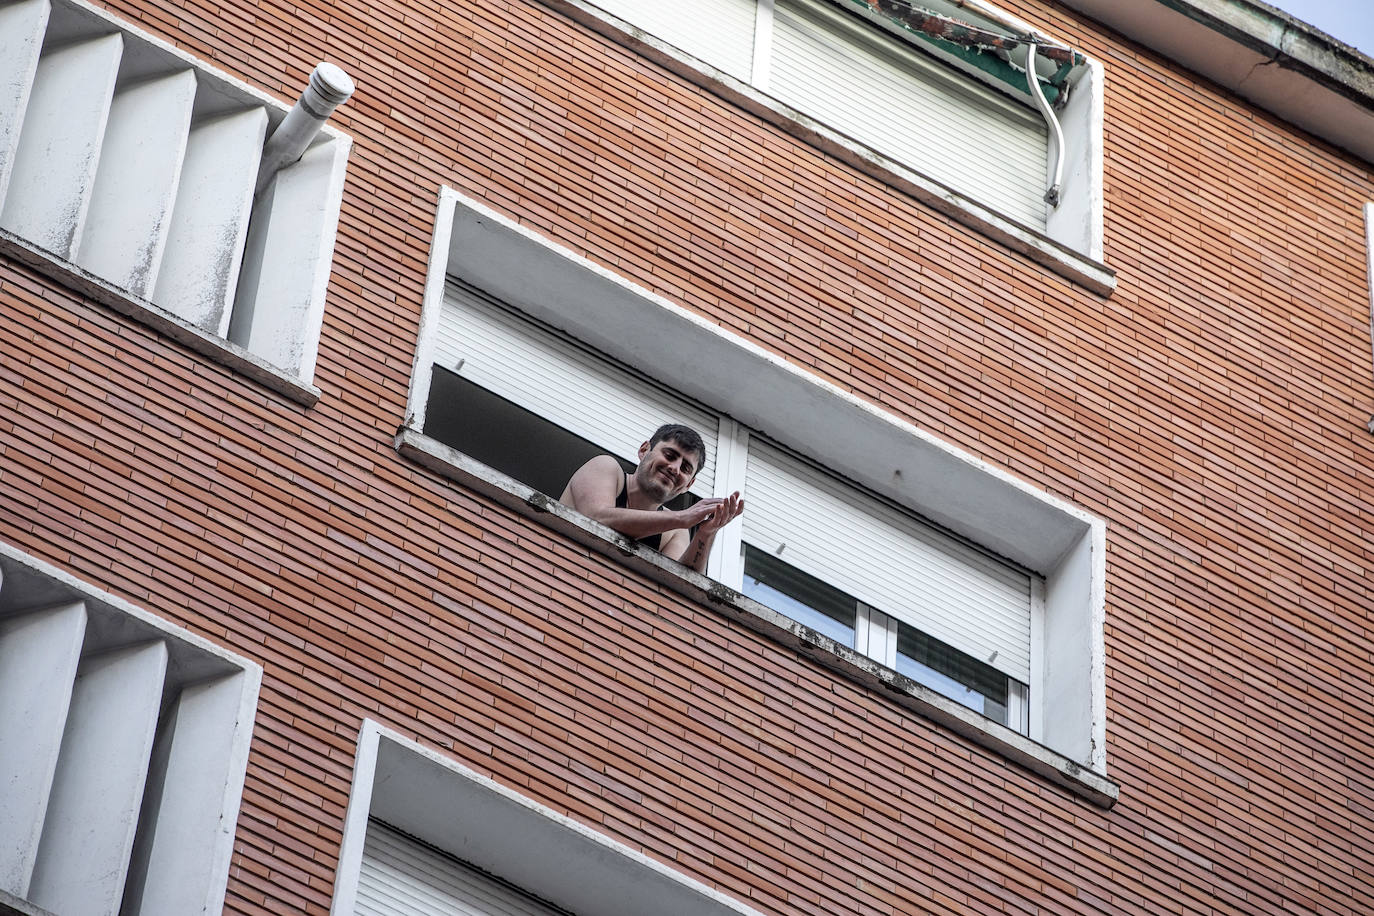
(872, 87)
(401, 877)
(719, 32)
(560, 380)
(886, 559)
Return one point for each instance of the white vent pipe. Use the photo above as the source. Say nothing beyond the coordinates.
(1055, 179)
(329, 88)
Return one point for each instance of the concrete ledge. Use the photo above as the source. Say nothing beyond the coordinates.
(1063, 771)
(216, 349)
(1264, 55)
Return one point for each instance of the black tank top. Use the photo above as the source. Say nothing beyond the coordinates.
(622, 500)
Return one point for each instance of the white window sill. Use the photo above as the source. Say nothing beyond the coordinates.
(1088, 272)
(217, 349)
(1017, 748)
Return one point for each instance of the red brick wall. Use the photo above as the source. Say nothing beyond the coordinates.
(1212, 410)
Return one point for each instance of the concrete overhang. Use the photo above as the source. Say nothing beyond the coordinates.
(1264, 55)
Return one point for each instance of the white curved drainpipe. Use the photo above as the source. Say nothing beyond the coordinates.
(1056, 176)
(329, 88)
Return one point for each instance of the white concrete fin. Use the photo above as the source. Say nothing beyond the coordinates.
(21, 41)
(39, 653)
(88, 834)
(136, 183)
(59, 144)
(172, 872)
(278, 310)
(200, 264)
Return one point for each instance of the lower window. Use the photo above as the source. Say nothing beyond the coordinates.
(426, 835)
(402, 876)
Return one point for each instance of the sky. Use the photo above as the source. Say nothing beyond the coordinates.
(1352, 21)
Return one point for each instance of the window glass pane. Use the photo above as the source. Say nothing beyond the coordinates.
(946, 670)
(804, 598)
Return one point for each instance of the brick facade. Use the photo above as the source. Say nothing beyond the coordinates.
(1212, 410)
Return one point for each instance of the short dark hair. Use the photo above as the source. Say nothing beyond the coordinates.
(685, 436)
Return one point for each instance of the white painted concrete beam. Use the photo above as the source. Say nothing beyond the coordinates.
(200, 265)
(59, 144)
(136, 183)
(184, 867)
(93, 811)
(280, 302)
(21, 41)
(39, 653)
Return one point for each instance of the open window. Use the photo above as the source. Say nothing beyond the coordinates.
(535, 404)
(867, 532)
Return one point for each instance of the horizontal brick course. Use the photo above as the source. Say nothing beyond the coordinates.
(1212, 410)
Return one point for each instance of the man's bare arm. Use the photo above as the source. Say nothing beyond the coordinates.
(593, 490)
(695, 553)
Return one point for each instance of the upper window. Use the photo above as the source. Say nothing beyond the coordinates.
(930, 86)
(124, 159)
(125, 743)
(865, 530)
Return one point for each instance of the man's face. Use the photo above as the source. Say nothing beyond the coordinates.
(666, 470)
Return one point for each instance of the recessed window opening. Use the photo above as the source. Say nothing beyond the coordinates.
(425, 835)
(503, 381)
(1012, 577)
(936, 88)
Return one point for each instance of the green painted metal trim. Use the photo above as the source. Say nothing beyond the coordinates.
(984, 60)
(990, 64)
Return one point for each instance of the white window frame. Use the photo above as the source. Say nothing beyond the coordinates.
(898, 462)
(438, 800)
(1071, 243)
(271, 331)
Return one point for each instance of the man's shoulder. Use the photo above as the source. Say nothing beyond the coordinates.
(602, 464)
